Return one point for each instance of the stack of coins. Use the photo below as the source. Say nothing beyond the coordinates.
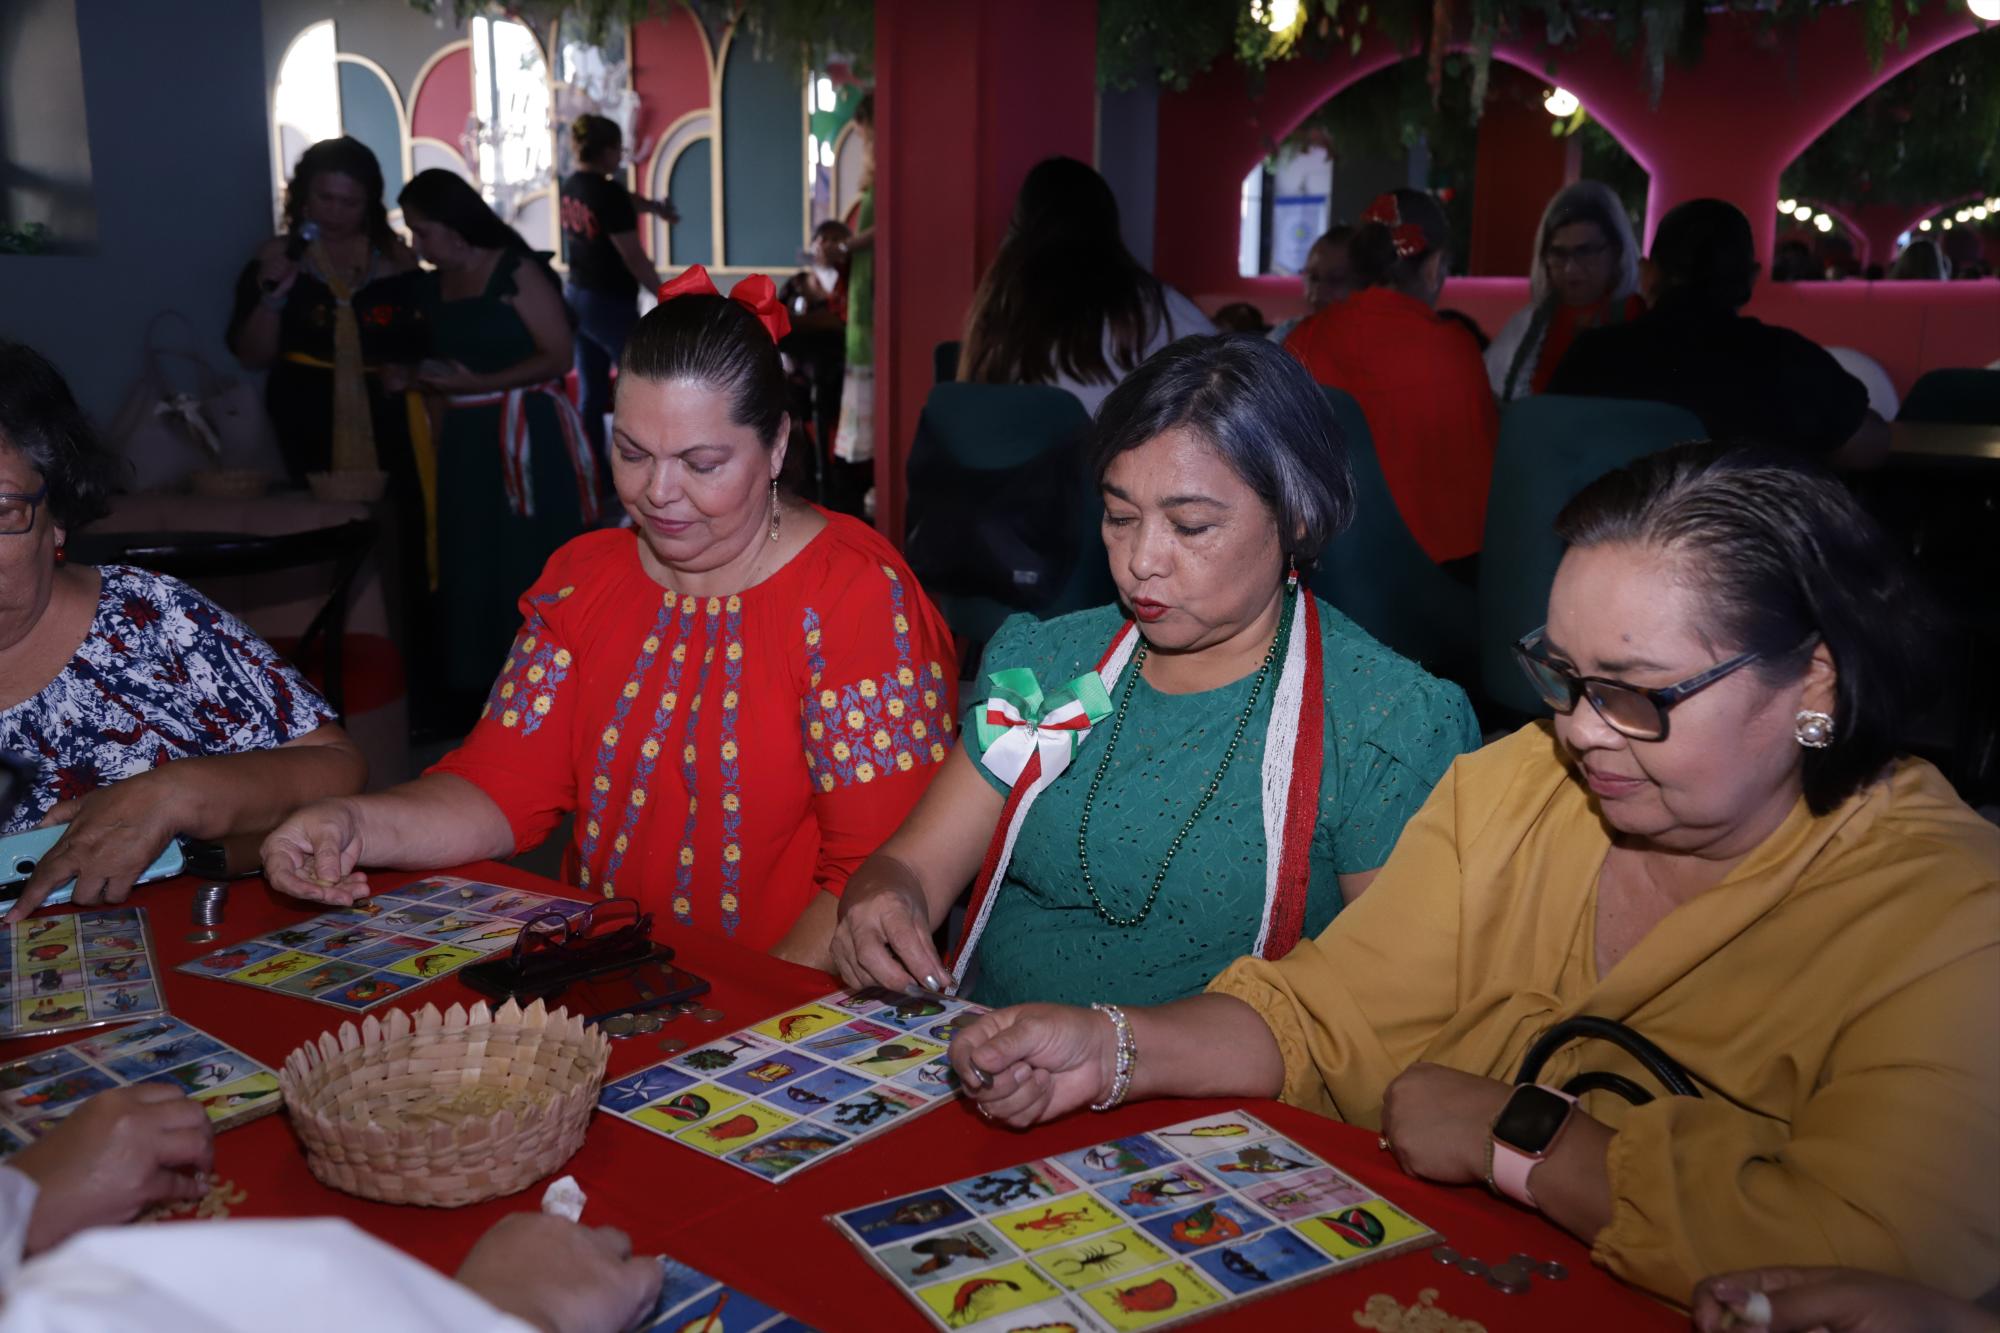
(209, 901)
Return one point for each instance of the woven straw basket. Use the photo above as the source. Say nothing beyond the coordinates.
(445, 1109)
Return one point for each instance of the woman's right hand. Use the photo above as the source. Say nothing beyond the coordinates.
(884, 938)
(1034, 1062)
(275, 272)
(312, 855)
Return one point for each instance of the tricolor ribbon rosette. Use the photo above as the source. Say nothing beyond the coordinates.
(1019, 722)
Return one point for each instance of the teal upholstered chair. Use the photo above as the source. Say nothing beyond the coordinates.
(1550, 448)
(1378, 575)
(999, 430)
(1965, 397)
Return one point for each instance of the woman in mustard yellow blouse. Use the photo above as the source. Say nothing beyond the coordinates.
(1714, 844)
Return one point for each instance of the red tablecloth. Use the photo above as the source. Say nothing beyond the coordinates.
(772, 1240)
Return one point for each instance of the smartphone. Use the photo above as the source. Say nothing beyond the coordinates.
(20, 853)
(632, 990)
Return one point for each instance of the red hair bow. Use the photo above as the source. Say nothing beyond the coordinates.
(756, 293)
(1407, 236)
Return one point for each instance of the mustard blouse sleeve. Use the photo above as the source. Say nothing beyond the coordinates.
(1351, 1009)
(1890, 1164)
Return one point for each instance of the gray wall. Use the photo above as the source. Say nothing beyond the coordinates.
(181, 177)
(1128, 153)
(44, 149)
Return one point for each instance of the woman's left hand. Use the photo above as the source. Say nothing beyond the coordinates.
(447, 377)
(114, 834)
(1439, 1122)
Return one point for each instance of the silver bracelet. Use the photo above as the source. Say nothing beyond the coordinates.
(1128, 1057)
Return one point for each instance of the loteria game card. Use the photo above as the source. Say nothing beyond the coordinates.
(39, 1090)
(694, 1302)
(79, 970)
(373, 951)
(1139, 1233)
(780, 1095)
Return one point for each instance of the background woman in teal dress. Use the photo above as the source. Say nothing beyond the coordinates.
(516, 477)
(1145, 866)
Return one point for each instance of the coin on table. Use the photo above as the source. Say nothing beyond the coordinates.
(1552, 1270)
(1510, 1277)
(673, 1045)
(1446, 1255)
(619, 1025)
(645, 1024)
(708, 1015)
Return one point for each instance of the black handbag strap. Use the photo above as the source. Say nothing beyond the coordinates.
(1663, 1067)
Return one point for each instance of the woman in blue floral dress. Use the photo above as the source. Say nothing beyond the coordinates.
(144, 711)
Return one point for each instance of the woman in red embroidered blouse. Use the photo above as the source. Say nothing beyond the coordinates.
(739, 697)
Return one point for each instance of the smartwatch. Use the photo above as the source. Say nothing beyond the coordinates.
(1524, 1133)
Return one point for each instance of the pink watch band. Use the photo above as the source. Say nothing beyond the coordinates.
(1511, 1166)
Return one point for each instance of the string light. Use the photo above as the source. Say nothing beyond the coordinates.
(1786, 206)
(824, 91)
(1947, 224)
(1562, 103)
(812, 158)
(1979, 213)
(1986, 11)
(1925, 225)
(1823, 222)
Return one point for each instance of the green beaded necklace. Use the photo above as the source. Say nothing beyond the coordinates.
(1111, 745)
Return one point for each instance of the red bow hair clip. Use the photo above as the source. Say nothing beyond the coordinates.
(1408, 237)
(756, 293)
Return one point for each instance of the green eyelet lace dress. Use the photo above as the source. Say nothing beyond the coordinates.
(1390, 732)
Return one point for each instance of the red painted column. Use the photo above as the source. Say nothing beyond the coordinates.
(968, 97)
(1517, 167)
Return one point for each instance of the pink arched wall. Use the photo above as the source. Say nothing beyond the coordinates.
(1725, 127)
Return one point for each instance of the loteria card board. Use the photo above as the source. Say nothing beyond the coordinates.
(36, 1091)
(75, 971)
(384, 946)
(778, 1096)
(1142, 1232)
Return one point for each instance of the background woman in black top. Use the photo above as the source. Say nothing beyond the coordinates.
(339, 322)
(607, 265)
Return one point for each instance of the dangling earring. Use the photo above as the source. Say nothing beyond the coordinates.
(776, 513)
(1813, 729)
(1291, 574)
(62, 553)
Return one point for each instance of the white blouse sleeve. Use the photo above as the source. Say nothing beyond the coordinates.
(319, 1275)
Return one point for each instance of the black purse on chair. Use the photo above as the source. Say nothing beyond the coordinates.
(1666, 1071)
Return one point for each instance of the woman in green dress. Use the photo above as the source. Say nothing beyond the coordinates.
(1216, 775)
(516, 475)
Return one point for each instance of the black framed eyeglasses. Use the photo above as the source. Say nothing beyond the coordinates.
(17, 511)
(1558, 255)
(1629, 710)
(599, 931)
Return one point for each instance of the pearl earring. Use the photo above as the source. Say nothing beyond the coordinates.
(1813, 729)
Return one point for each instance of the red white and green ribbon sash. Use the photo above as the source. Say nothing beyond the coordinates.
(1029, 740)
(516, 464)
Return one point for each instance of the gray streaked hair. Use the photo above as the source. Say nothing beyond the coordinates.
(1259, 409)
(1596, 203)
